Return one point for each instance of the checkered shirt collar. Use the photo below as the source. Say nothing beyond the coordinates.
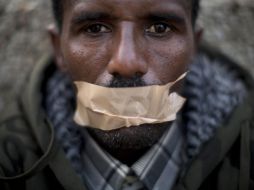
(157, 169)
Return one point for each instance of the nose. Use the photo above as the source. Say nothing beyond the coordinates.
(127, 58)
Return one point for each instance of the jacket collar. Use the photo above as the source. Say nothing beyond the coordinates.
(206, 161)
(53, 155)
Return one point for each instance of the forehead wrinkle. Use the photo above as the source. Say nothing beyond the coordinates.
(113, 6)
(185, 3)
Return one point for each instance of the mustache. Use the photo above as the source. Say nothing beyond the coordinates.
(122, 82)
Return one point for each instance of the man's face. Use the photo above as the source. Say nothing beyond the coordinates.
(120, 42)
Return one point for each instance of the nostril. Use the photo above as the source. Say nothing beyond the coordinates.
(139, 74)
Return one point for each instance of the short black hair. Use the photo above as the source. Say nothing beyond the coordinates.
(195, 10)
(58, 8)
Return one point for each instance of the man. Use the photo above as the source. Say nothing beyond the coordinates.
(116, 44)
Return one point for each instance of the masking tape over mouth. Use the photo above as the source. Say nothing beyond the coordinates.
(113, 108)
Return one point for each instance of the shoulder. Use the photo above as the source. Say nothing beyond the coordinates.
(216, 55)
(251, 133)
(17, 144)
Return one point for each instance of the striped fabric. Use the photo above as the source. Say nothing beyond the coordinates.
(157, 169)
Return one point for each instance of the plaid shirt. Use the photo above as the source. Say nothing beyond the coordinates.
(157, 169)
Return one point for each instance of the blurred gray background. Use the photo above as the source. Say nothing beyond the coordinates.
(229, 26)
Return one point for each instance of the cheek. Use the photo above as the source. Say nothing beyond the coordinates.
(171, 59)
(85, 62)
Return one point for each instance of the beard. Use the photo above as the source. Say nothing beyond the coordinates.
(134, 138)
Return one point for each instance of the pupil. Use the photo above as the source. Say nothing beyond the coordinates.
(95, 28)
(160, 28)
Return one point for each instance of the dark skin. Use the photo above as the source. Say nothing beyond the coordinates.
(100, 39)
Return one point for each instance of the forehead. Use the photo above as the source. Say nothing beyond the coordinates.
(130, 7)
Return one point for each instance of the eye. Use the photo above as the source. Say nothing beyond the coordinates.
(97, 28)
(159, 28)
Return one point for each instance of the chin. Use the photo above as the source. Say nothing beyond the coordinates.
(131, 138)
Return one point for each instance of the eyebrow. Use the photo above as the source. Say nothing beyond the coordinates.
(165, 16)
(154, 16)
(90, 16)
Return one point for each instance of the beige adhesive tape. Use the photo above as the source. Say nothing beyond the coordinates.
(113, 108)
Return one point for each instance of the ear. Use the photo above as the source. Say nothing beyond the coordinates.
(198, 36)
(55, 39)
